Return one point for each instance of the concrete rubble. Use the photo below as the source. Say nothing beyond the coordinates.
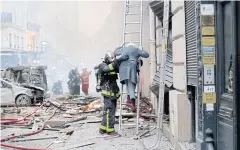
(74, 125)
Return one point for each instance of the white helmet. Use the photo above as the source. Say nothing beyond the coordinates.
(131, 44)
(109, 57)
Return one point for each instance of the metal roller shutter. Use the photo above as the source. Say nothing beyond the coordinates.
(191, 44)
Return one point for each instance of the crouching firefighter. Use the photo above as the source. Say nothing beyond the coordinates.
(107, 74)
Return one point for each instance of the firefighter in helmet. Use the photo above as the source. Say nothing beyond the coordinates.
(107, 74)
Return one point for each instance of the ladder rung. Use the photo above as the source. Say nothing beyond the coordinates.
(134, 5)
(128, 124)
(129, 6)
(136, 32)
(133, 13)
(141, 114)
(126, 92)
(129, 114)
(132, 42)
(132, 22)
(148, 115)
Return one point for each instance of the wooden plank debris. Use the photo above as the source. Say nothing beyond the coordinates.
(34, 139)
(80, 145)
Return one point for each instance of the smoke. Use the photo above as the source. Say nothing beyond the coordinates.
(82, 31)
(76, 32)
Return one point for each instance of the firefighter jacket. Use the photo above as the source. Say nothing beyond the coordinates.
(108, 82)
(74, 78)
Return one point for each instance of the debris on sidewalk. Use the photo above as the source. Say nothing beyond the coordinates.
(34, 139)
(96, 105)
(80, 145)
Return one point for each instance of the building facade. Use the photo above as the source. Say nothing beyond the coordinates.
(203, 99)
(13, 35)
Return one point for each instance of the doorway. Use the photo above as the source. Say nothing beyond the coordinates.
(226, 70)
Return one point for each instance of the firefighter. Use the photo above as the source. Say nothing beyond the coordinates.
(57, 87)
(129, 69)
(74, 81)
(85, 80)
(110, 92)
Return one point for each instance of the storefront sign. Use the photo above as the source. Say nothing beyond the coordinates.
(208, 50)
(208, 41)
(207, 20)
(207, 9)
(208, 30)
(209, 107)
(209, 98)
(209, 60)
(210, 89)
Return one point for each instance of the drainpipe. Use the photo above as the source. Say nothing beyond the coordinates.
(152, 43)
(158, 47)
(158, 41)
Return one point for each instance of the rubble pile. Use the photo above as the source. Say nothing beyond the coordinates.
(61, 122)
(59, 113)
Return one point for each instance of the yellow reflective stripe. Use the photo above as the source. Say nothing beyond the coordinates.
(107, 117)
(103, 127)
(109, 93)
(110, 129)
(110, 67)
(111, 73)
(85, 82)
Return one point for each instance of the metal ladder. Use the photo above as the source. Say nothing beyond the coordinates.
(162, 78)
(129, 5)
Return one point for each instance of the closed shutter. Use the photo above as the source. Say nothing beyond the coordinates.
(191, 44)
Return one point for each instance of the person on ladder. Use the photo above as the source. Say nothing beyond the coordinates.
(129, 69)
(107, 73)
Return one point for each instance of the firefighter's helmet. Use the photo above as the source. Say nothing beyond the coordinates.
(109, 57)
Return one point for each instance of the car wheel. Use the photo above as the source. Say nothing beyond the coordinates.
(23, 100)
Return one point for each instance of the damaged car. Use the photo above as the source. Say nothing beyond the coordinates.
(32, 75)
(20, 94)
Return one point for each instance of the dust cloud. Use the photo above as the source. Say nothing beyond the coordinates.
(76, 32)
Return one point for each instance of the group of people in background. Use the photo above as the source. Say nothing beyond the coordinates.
(76, 79)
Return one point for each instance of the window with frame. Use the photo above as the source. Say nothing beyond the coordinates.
(14, 41)
(10, 39)
(22, 42)
(34, 42)
(18, 42)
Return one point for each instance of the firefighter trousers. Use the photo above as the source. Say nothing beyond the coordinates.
(108, 120)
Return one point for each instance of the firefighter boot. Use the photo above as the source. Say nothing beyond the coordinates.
(101, 131)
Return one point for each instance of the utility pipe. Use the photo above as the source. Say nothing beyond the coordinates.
(159, 110)
(152, 43)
